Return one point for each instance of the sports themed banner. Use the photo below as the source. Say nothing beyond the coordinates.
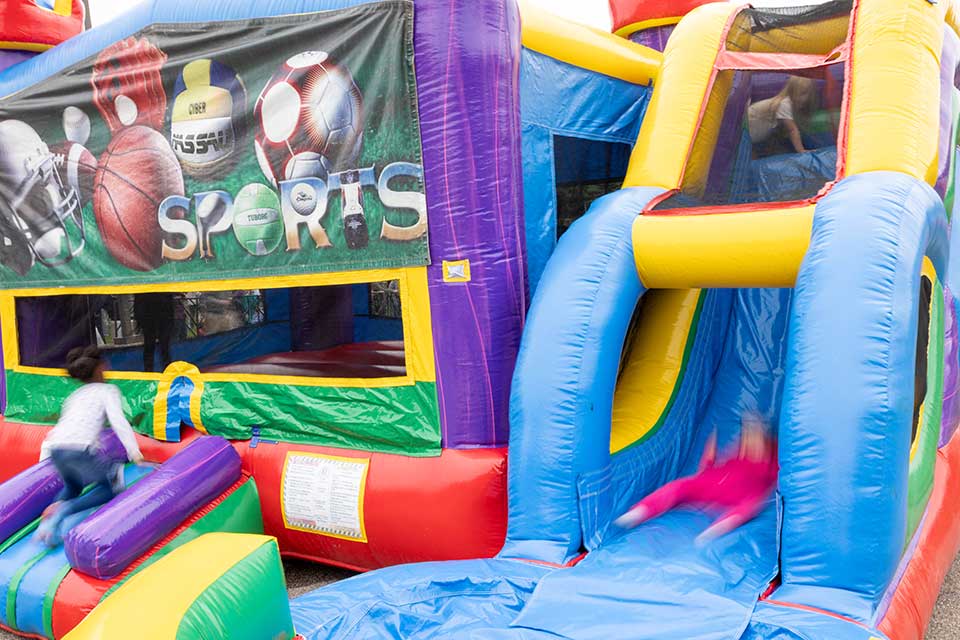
(219, 150)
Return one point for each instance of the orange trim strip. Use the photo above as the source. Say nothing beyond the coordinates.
(829, 614)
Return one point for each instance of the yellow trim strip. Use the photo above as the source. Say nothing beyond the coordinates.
(414, 305)
(655, 364)
(586, 47)
(25, 46)
(176, 580)
(751, 249)
(643, 25)
(63, 7)
(930, 271)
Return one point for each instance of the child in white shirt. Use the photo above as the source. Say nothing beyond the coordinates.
(73, 443)
(780, 114)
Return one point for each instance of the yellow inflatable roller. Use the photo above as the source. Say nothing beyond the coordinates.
(221, 585)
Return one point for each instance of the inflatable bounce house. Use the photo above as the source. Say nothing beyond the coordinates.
(31, 26)
(349, 259)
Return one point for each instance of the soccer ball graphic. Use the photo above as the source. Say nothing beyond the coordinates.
(309, 119)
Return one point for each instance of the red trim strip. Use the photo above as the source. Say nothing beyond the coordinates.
(705, 98)
(710, 210)
(829, 614)
(21, 633)
(843, 138)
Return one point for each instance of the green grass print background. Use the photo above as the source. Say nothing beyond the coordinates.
(375, 42)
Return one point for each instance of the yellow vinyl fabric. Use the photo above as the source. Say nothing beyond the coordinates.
(745, 249)
(586, 47)
(673, 117)
(894, 88)
(152, 604)
(654, 367)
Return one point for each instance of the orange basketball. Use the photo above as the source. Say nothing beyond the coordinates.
(136, 172)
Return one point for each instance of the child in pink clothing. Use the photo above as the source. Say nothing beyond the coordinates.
(737, 488)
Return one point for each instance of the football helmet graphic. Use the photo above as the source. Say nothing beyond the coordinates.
(40, 213)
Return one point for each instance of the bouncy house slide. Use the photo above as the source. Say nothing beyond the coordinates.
(669, 312)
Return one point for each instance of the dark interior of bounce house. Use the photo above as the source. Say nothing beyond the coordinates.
(333, 331)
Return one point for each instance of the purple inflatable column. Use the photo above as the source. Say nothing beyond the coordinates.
(468, 54)
(951, 370)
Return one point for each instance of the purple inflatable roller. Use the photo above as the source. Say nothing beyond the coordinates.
(104, 544)
(24, 496)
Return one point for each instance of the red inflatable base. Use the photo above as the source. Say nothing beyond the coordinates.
(448, 507)
(414, 509)
(916, 595)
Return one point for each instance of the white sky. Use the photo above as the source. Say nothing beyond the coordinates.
(592, 12)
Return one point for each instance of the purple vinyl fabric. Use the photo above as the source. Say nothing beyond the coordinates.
(655, 38)
(468, 57)
(10, 57)
(104, 544)
(951, 375)
(948, 70)
(24, 496)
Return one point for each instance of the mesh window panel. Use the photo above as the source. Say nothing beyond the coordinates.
(744, 152)
(791, 29)
(585, 170)
(300, 331)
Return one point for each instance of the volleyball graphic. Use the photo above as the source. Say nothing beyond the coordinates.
(257, 222)
(309, 119)
(208, 119)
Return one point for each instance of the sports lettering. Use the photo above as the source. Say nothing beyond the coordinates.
(190, 223)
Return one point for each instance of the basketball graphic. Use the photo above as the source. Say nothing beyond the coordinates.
(78, 168)
(309, 118)
(256, 219)
(208, 122)
(136, 172)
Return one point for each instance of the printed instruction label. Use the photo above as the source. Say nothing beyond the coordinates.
(324, 494)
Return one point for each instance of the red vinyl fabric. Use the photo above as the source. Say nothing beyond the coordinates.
(628, 12)
(916, 595)
(448, 507)
(26, 25)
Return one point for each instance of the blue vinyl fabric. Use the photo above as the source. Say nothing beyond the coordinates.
(46, 566)
(428, 600)
(782, 622)
(561, 400)
(560, 99)
(845, 429)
